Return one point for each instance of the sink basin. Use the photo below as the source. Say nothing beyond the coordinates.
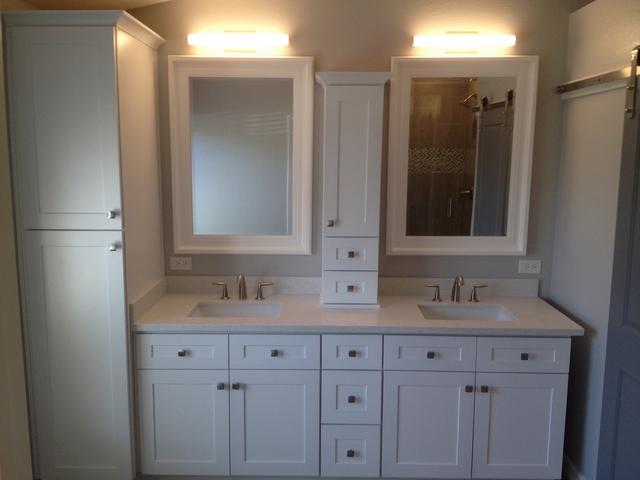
(245, 308)
(496, 313)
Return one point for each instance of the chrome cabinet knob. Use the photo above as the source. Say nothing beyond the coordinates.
(111, 214)
(331, 223)
(114, 247)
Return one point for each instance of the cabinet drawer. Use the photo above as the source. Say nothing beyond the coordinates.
(525, 355)
(350, 451)
(182, 351)
(352, 352)
(351, 397)
(350, 287)
(295, 352)
(429, 353)
(349, 253)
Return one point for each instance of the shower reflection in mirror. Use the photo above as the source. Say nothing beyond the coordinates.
(459, 156)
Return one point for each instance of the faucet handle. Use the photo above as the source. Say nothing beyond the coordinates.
(474, 292)
(436, 293)
(259, 295)
(225, 290)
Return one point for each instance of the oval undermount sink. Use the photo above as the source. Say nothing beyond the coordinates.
(229, 308)
(496, 313)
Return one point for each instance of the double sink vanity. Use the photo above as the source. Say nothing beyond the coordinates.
(414, 388)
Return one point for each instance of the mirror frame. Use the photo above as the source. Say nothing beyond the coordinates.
(300, 70)
(403, 70)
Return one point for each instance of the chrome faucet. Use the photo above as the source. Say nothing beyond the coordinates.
(455, 292)
(242, 287)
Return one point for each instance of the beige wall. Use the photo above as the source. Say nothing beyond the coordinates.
(363, 35)
(15, 453)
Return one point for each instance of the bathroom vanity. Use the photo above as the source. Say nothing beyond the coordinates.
(416, 388)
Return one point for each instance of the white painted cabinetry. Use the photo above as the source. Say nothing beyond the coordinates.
(352, 152)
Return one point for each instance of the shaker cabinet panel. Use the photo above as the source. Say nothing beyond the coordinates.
(275, 422)
(64, 121)
(519, 425)
(352, 160)
(427, 425)
(76, 327)
(184, 422)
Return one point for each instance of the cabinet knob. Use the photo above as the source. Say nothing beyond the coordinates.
(114, 247)
(351, 453)
(431, 355)
(331, 223)
(524, 356)
(353, 353)
(111, 214)
(484, 388)
(468, 389)
(235, 386)
(351, 288)
(351, 254)
(274, 353)
(182, 353)
(351, 399)
(220, 386)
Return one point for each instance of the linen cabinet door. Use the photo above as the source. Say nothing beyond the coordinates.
(519, 425)
(64, 126)
(76, 329)
(275, 422)
(352, 165)
(184, 422)
(427, 424)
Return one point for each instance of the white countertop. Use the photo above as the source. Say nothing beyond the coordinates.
(396, 315)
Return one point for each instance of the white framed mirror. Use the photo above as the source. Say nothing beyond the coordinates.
(241, 154)
(460, 153)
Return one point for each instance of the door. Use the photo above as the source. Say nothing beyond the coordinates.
(618, 457)
(184, 422)
(64, 125)
(76, 326)
(427, 424)
(275, 422)
(352, 160)
(519, 425)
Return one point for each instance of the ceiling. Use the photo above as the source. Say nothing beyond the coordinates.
(92, 4)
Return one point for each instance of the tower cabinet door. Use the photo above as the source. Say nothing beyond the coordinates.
(76, 326)
(519, 425)
(275, 422)
(64, 126)
(427, 424)
(184, 422)
(352, 160)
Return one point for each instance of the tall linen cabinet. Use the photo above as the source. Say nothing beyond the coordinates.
(83, 125)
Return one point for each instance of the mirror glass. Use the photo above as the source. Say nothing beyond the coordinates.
(459, 157)
(241, 155)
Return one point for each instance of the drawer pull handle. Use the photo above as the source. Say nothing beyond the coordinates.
(353, 353)
(182, 352)
(274, 353)
(351, 254)
(235, 386)
(484, 389)
(468, 389)
(524, 356)
(351, 453)
(351, 288)
(351, 399)
(431, 355)
(220, 386)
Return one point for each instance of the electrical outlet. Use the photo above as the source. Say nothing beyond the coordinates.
(529, 266)
(180, 263)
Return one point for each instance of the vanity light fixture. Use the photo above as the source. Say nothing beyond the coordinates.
(238, 41)
(463, 42)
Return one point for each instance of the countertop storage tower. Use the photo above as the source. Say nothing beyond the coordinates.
(83, 124)
(352, 151)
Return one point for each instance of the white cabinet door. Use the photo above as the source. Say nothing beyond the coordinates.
(427, 424)
(275, 422)
(75, 314)
(64, 126)
(352, 160)
(184, 422)
(519, 425)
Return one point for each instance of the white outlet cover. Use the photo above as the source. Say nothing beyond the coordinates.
(530, 267)
(180, 263)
